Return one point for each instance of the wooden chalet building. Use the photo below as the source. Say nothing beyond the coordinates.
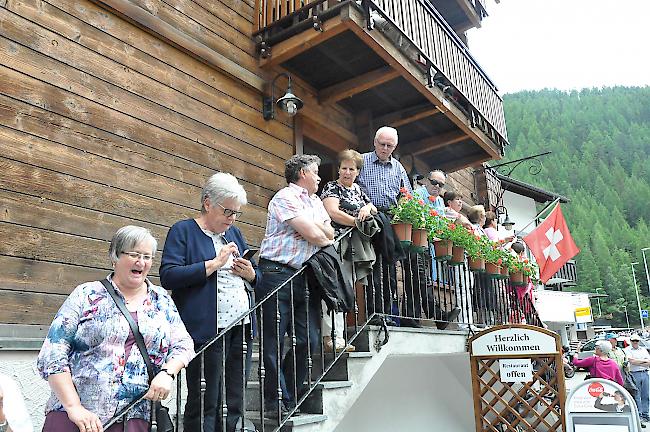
(115, 112)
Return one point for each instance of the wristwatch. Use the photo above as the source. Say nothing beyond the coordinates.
(161, 370)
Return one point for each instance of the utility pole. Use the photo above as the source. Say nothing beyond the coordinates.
(638, 300)
(645, 264)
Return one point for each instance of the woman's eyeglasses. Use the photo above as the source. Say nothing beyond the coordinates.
(229, 212)
(137, 255)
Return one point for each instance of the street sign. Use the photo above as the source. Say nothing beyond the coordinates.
(644, 313)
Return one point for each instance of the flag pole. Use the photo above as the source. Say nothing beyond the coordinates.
(556, 200)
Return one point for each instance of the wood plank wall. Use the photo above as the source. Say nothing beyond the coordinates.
(103, 125)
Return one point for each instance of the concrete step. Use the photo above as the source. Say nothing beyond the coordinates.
(312, 405)
(298, 423)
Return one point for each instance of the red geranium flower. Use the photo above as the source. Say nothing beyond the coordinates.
(433, 212)
(452, 226)
(432, 199)
(421, 202)
(403, 190)
(499, 261)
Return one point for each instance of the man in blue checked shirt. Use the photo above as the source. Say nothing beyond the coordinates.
(382, 176)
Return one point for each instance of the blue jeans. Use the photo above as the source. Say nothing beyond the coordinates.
(642, 396)
(306, 319)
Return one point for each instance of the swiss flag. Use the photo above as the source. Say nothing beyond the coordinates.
(552, 245)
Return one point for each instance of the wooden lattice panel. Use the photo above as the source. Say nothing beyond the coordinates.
(534, 406)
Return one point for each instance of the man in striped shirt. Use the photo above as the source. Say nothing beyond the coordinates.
(297, 227)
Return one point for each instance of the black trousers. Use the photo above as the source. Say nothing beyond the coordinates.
(236, 365)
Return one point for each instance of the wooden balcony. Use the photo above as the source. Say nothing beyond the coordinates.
(461, 15)
(389, 62)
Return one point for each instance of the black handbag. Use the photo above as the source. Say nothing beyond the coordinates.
(160, 418)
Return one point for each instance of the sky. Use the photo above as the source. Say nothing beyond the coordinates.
(564, 44)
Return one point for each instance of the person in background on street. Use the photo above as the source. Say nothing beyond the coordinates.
(297, 227)
(13, 414)
(89, 356)
(617, 354)
(345, 202)
(639, 365)
(211, 284)
(600, 365)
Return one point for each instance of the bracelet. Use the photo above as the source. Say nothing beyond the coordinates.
(168, 373)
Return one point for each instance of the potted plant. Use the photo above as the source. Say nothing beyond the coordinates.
(494, 257)
(404, 213)
(419, 222)
(520, 271)
(438, 228)
(476, 252)
(462, 239)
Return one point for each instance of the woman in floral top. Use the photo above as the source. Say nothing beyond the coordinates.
(90, 358)
(345, 202)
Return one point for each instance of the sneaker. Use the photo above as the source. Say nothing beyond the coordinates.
(377, 321)
(271, 411)
(340, 345)
(408, 322)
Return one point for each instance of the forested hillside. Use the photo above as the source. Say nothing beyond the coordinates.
(600, 141)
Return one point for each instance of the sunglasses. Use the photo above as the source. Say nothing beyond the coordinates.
(436, 183)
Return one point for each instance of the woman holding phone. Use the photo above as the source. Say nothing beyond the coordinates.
(212, 284)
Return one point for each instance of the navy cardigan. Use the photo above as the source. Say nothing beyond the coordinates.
(182, 271)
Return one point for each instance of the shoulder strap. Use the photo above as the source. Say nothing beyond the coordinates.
(134, 327)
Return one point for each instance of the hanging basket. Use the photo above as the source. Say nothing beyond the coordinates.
(517, 278)
(457, 256)
(476, 265)
(442, 249)
(493, 270)
(403, 233)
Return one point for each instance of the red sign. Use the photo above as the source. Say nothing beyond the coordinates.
(595, 389)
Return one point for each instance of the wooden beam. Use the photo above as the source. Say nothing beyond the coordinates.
(289, 48)
(159, 28)
(357, 85)
(458, 164)
(427, 145)
(416, 117)
(326, 136)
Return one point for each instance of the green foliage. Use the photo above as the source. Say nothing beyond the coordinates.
(600, 139)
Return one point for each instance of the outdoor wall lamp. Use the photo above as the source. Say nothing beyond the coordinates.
(507, 223)
(289, 103)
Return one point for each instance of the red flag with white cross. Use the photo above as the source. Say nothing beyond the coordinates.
(552, 245)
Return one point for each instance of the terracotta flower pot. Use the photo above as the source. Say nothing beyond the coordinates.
(457, 255)
(505, 273)
(419, 238)
(442, 249)
(476, 265)
(517, 278)
(403, 232)
(492, 269)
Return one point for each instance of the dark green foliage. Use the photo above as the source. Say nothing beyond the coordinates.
(600, 139)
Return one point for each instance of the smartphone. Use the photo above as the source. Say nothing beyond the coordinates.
(249, 253)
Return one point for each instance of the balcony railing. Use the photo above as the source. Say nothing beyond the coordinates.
(416, 289)
(448, 59)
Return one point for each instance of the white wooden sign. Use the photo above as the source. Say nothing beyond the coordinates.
(513, 341)
(516, 370)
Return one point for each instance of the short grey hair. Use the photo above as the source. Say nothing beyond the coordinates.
(604, 346)
(295, 163)
(438, 171)
(387, 130)
(128, 237)
(222, 186)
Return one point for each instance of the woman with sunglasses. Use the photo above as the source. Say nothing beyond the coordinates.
(211, 284)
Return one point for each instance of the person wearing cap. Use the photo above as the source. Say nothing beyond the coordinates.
(639, 364)
(616, 354)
